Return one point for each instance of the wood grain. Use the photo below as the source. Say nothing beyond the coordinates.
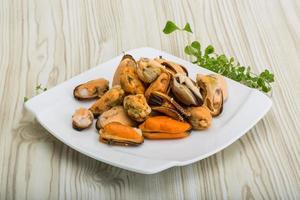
(49, 41)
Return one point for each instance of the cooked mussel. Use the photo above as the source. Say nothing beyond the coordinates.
(212, 92)
(148, 69)
(115, 114)
(136, 107)
(111, 98)
(172, 67)
(200, 117)
(163, 102)
(222, 84)
(116, 133)
(186, 91)
(91, 89)
(127, 77)
(161, 84)
(126, 61)
(169, 111)
(163, 127)
(82, 119)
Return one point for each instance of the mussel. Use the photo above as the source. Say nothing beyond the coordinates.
(161, 84)
(127, 77)
(200, 117)
(172, 67)
(116, 133)
(222, 84)
(136, 107)
(163, 103)
(126, 61)
(115, 114)
(213, 93)
(186, 91)
(148, 69)
(82, 119)
(91, 89)
(111, 98)
(163, 127)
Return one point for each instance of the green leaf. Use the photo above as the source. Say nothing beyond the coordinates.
(209, 50)
(189, 50)
(170, 27)
(25, 99)
(196, 45)
(187, 28)
(39, 86)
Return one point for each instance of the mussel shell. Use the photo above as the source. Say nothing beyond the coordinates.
(161, 84)
(212, 92)
(118, 143)
(163, 136)
(148, 69)
(186, 91)
(172, 67)
(168, 111)
(157, 98)
(184, 95)
(222, 84)
(216, 108)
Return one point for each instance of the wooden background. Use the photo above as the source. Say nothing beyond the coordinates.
(49, 41)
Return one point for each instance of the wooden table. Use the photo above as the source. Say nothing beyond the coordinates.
(49, 41)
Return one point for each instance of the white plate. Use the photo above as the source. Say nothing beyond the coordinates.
(54, 108)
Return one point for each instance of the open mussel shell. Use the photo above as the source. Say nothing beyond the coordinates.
(172, 67)
(222, 84)
(91, 89)
(186, 91)
(212, 92)
(216, 103)
(160, 99)
(168, 111)
(116, 133)
(82, 119)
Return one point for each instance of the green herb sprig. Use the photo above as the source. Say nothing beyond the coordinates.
(38, 89)
(225, 66)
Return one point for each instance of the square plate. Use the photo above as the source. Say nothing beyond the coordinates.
(54, 108)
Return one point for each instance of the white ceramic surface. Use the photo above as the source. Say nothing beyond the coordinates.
(54, 108)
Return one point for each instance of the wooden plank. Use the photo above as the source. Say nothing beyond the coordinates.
(48, 42)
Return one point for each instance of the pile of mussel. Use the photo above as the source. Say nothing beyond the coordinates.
(149, 98)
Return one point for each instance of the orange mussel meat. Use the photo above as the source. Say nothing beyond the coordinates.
(163, 127)
(116, 133)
